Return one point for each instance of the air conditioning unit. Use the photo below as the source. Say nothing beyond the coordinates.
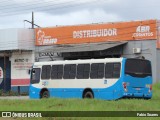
(136, 50)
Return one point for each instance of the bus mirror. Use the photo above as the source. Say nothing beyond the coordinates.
(29, 71)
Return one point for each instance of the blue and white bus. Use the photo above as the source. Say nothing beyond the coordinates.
(108, 79)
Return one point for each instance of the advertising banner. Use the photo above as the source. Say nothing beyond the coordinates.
(120, 31)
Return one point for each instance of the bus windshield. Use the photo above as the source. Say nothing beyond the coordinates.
(35, 75)
(138, 68)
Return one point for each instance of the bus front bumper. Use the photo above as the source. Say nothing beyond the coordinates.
(34, 93)
(138, 95)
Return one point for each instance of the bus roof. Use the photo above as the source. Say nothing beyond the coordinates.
(79, 61)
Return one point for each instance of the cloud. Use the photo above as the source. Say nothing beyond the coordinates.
(134, 10)
(78, 17)
(16, 21)
(69, 12)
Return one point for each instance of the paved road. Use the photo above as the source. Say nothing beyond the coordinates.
(15, 97)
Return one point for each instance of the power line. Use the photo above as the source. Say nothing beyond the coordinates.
(28, 4)
(43, 4)
(60, 6)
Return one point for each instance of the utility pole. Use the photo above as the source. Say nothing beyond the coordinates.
(32, 22)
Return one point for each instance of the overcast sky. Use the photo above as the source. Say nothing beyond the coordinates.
(70, 12)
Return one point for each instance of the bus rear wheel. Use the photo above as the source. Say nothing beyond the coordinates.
(88, 94)
(45, 94)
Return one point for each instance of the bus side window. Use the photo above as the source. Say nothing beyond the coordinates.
(46, 70)
(97, 70)
(112, 70)
(109, 70)
(117, 68)
(83, 71)
(69, 71)
(57, 72)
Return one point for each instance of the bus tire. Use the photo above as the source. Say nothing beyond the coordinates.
(147, 98)
(45, 94)
(88, 94)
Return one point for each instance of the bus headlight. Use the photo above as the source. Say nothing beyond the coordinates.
(149, 86)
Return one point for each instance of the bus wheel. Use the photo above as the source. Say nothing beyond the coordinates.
(45, 94)
(88, 94)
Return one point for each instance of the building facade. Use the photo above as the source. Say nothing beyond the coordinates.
(16, 58)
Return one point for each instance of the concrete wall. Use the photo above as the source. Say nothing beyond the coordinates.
(148, 50)
(14, 39)
(26, 39)
(8, 39)
(21, 62)
(158, 65)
